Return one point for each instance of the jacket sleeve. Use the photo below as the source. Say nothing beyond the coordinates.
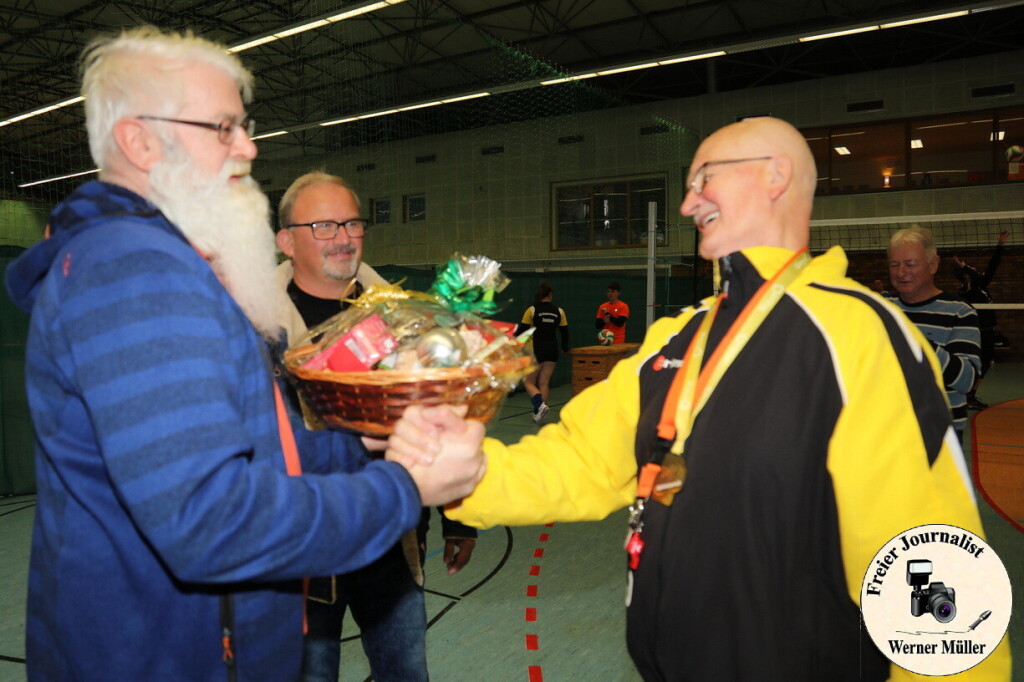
(959, 355)
(581, 468)
(453, 530)
(893, 459)
(151, 342)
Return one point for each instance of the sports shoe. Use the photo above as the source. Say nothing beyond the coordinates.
(541, 412)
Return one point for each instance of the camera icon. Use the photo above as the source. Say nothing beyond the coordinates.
(936, 599)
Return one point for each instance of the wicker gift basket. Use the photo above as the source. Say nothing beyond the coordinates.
(480, 363)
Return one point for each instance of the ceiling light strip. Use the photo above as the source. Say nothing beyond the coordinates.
(372, 6)
(921, 20)
(241, 47)
(322, 21)
(838, 34)
(62, 177)
(43, 110)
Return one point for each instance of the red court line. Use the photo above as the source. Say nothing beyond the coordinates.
(535, 672)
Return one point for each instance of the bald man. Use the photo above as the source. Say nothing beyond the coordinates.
(818, 431)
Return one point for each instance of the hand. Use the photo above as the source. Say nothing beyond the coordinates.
(416, 437)
(456, 560)
(458, 463)
(959, 261)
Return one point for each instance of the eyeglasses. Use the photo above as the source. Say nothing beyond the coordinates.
(328, 229)
(225, 129)
(701, 177)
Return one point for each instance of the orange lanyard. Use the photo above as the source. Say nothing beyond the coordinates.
(293, 466)
(662, 476)
(693, 385)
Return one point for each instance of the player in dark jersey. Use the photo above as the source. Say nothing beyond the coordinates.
(546, 317)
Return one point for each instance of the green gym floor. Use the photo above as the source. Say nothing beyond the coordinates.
(535, 603)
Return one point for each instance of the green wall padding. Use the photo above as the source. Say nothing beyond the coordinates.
(17, 442)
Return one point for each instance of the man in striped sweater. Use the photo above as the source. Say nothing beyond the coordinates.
(950, 324)
(170, 540)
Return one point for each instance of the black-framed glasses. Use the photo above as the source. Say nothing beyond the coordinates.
(701, 177)
(328, 229)
(225, 129)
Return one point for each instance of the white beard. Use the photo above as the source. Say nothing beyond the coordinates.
(229, 224)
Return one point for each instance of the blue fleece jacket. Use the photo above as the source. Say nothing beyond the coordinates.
(164, 510)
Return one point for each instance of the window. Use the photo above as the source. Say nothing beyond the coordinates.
(951, 150)
(919, 153)
(817, 140)
(414, 208)
(610, 213)
(867, 158)
(380, 211)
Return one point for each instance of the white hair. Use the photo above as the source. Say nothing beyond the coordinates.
(138, 72)
(915, 234)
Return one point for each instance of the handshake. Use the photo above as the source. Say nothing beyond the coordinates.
(441, 450)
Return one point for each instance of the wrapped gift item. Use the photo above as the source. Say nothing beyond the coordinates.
(393, 348)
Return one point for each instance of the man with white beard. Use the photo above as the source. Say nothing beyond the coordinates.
(173, 525)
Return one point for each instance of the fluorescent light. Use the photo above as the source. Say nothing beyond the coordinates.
(992, 137)
(921, 20)
(340, 120)
(692, 57)
(836, 34)
(842, 151)
(301, 29)
(252, 43)
(266, 135)
(377, 113)
(360, 10)
(311, 25)
(465, 97)
(421, 106)
(569, 78)
(916, 143)
(635, 67)
(43, 110)
(62, 177)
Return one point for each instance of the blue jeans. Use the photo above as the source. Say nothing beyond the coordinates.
(387, 604)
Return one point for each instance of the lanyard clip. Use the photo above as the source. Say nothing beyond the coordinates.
(636, 515)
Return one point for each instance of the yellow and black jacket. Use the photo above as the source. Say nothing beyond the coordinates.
(828, 435)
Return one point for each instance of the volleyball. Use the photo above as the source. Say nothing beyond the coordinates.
(1014, 153)
(605, 337)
